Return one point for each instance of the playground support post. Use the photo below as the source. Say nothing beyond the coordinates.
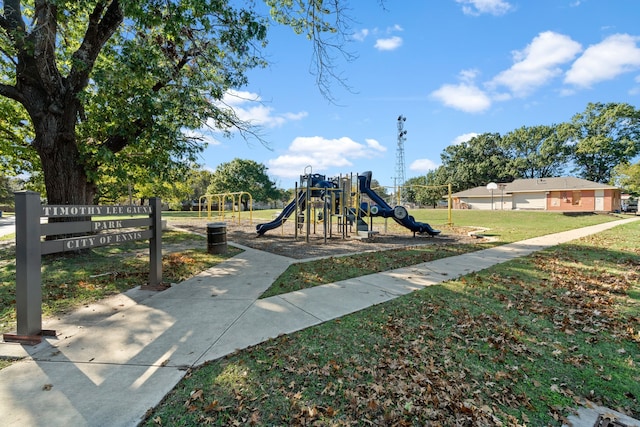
(346, 191)
(222, 198)
(324, 216)
(296, 212)
(308, 202)
(449, 203)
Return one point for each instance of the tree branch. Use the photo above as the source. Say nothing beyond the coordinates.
(186, 57)
(11, 92)
(12, 21)
(102, 25)
(44, 41)
(117, 143)
(12, 18)
(323, 62)
(9, 57)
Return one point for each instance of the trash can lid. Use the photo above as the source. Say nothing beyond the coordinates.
(216, 224)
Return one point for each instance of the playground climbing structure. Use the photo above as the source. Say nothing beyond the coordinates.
(320, 199)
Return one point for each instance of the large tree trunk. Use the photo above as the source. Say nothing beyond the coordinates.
(65, 177)
(51, 98)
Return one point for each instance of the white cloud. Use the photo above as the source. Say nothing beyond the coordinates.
(392, 43)
(615, 55)
(202, 135)
(233, 97)
(538, 63)
(533, 67)
(466, 97)
(360, 35)
(468, 75)
(463, 138)
(249, 108)
(322, 154)
(478, 7)
(295, 116)
(423, 165)
(375, 145)
(384, 38)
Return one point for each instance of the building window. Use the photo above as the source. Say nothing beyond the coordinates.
(576, 200)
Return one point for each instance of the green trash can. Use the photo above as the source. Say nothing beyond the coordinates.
(217, 238)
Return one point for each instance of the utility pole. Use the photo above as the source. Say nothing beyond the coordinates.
(400, 176)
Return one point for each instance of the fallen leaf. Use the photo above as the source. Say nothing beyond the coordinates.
(211, 406)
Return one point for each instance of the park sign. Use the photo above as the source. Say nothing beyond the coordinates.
(74, 221)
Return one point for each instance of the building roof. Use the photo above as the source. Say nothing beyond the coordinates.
(534, 185)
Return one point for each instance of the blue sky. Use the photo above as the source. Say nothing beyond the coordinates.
(453, 68)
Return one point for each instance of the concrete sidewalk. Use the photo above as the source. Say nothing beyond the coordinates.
(7, 224)
(112, 361)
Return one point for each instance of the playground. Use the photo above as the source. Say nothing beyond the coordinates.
(349, 199)
(283, 241)
(328, 216)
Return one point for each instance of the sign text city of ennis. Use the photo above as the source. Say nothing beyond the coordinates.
(30, 248)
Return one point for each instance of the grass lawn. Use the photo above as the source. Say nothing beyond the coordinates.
(504, 226)
(314, 273)
(517, 344)
(520, 343)
(70, 280)
(507, 226)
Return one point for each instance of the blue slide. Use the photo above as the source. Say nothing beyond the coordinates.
(399, 213)
(288, 210)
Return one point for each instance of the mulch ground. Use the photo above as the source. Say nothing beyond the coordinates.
(282, 240)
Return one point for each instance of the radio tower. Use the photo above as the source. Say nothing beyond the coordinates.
(400, 152)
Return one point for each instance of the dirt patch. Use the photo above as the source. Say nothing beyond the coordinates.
(282, 241)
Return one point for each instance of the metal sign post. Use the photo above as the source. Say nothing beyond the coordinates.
(28, 270)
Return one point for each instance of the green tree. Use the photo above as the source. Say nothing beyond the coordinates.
(244, 175)
(379, 189)
(476, 162)
(8, 186)
(425, 190)
(627, 177)
(140, 183)
(110, 86)
(538, 151)
(198, 180)
(6, 195)
(605, 135)
(285, 196)
(16, 154)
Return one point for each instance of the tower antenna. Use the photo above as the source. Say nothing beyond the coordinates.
(400, 177)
